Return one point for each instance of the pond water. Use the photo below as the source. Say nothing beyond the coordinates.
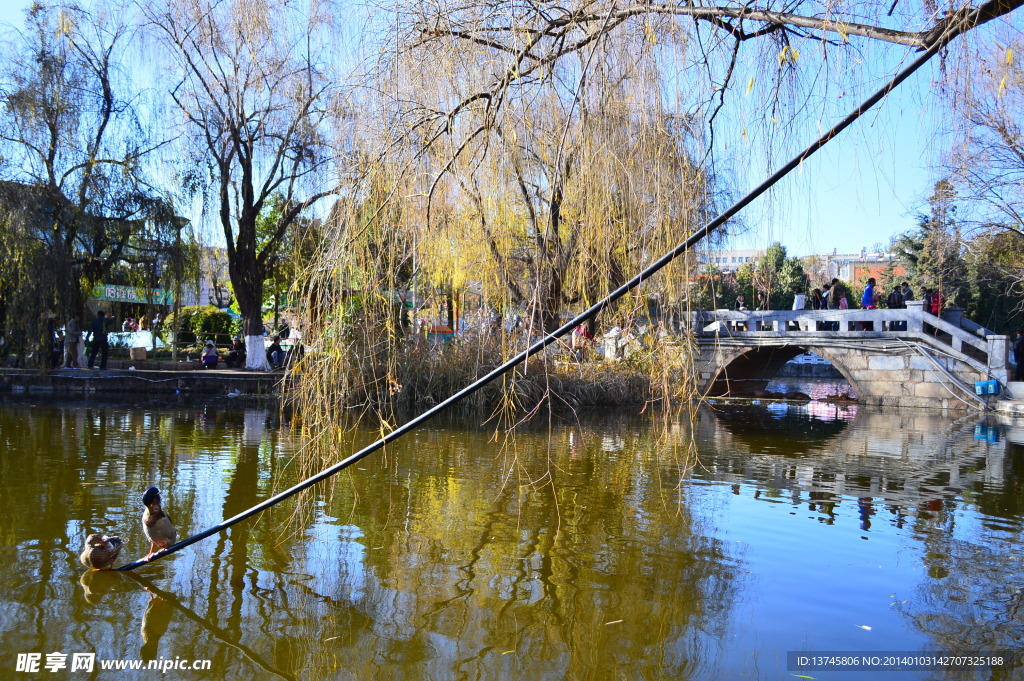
(581, 549)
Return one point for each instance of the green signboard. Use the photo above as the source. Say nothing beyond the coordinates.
(132, 294)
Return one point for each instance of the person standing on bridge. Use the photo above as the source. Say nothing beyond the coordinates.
(894, 301)
(741, 306)
(799, 299)
(938, 303)
(907, 293)
(835, 293)
(867, 301)
(829, 301)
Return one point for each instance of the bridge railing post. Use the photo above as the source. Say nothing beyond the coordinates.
(915, 316)
(999, 358)
(953, 315)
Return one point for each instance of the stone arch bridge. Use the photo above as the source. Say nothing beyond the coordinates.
(904, 357)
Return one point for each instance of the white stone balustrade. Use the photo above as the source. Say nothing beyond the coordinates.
(953, 333)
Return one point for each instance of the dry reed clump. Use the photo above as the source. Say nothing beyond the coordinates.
(423, 373)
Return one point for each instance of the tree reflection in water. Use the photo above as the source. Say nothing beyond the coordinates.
(580, 553)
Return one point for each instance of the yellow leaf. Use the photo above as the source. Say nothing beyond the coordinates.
(788, 54)
(1009, 56)
(649, 33)
(1002, 85)
(774, 121)
(750, 85)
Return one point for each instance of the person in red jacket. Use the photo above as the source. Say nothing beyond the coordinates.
(938, 303)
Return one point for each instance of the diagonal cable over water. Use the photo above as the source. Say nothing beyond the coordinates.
(593, 311)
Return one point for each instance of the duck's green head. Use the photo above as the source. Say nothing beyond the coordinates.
(152, 494)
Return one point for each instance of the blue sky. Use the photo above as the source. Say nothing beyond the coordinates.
(864, 187)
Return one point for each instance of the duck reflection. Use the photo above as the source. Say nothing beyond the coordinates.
(160, 610)
(155, 621)
(96, 584)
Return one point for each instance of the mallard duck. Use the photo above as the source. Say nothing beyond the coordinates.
(100, 551)
(156, 524)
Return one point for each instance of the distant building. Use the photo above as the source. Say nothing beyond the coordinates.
(730, 261)
(853, 268)
(214, 279)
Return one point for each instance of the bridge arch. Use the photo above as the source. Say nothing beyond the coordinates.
(901, 357)
(746, 369)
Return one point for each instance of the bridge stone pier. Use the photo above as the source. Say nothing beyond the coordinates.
(905, 357)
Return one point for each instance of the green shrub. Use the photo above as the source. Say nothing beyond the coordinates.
(199, 324)
(183, 323)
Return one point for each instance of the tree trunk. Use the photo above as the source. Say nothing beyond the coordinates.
(277, 312)
(250, 296)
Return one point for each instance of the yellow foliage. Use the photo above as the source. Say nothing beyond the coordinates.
(788, 55)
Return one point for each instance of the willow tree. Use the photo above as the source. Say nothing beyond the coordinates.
(545, 152)
(986, 171)
(563, 207)
(477, 80)
(76, 196)
(249, 78)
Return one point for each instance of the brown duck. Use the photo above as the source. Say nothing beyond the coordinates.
(100, 551)
(156, 524)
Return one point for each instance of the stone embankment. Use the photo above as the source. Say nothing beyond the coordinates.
(118, 378)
